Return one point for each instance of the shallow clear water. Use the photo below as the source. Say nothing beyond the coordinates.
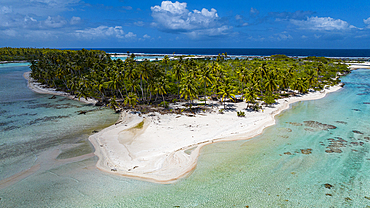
(267, 171)
(31, 123)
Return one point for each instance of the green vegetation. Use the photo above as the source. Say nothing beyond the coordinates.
(117, 83)
(23, 54)
(240, 114)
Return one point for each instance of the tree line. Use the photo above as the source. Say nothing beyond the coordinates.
(91, 73)
(23, 54)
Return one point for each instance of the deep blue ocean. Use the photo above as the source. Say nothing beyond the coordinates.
(245, 52)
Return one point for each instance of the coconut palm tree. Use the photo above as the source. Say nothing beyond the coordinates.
(131, 100)
(205, 77)
(188, 88)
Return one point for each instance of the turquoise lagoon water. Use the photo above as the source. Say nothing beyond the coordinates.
(267, 171)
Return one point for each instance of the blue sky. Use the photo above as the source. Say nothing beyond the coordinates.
(187, 24)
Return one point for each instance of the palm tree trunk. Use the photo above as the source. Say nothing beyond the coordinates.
(205, 93)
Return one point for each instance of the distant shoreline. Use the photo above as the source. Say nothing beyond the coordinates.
(10, 62)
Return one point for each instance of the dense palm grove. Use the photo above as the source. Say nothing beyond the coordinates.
(88, 73)
(23, 54)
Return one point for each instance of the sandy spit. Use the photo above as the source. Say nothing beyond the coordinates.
(165, 148)
(39, 88)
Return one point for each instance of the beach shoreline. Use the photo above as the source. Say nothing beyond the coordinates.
(355, 65)
(165, 148)
(39, 88)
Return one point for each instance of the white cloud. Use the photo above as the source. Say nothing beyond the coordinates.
(55, 22)
(10, 32)
(75, 20)
(104, 32)
(146, 36)
(367, 21)
(238, 17)
(284, 37)
(6, 10)
(281, 36)
(176, 18)
(254, 12)
(211, 32)
(55, 2)
(130, 35)
(139, 23)
(322, 24)
(127, 7)
(40, 8)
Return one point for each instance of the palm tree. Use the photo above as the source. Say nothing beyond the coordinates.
(178, 73)
(206, 77)
(131, 99)
(188, 88)
(270, 84)
(226, 91)
(250, 93)
(160, 86)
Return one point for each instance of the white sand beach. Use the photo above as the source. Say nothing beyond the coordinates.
(39, 88)
(164, 148)
(354, 66)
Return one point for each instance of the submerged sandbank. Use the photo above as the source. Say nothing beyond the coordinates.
(165, 148)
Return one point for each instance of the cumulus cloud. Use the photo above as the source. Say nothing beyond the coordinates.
(10, 32)
(53, 3)
(297, 15)
(322, 24)
(146, 36)
(55, 22)
(176, 18)
(104, 32)
(240, 20)
(127, 7)
(75, 20)
(254, 12)
(283, 36)
(238, 17)
(367, 21)
(139, 23)
(5, 10)
(130, 35)
(40, 8)
(211, 32)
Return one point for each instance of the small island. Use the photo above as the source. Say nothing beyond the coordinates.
(171, 107)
